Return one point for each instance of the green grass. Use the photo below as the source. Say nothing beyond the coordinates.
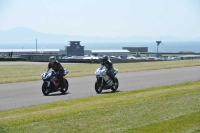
(174, 108)
(21, 73)
(185, 123)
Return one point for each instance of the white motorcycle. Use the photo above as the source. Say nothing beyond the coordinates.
(104, 82)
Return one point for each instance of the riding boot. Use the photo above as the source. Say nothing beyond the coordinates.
(112, 78)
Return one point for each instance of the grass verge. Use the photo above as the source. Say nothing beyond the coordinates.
(21, 73)
(174, 108)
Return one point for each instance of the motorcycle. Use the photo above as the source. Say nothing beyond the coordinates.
(48, 85)
(104, 82)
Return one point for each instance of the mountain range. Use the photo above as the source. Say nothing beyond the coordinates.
(25, 35)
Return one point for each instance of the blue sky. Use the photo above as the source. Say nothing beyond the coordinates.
(104, 18)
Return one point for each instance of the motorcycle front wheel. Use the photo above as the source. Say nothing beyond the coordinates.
(65, 86)
(115, 85)
(98, 88)
(45, 89)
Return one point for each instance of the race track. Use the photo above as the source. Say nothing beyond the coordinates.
(17, 95)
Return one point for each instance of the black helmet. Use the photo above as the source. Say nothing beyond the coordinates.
(52, 59)
(104, 58)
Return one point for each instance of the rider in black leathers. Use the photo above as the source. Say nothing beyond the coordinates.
(57, 67)
(109, 65)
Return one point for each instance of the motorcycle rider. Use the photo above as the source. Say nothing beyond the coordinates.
(57, 67)
(109, 65)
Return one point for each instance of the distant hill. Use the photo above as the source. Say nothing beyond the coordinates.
(25, 35)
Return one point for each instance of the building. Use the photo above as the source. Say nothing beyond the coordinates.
(74, 49)
(116, 53)
(136, 49)
(18, 52)
(87, 52)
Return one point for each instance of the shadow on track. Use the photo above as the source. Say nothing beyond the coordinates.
(58, 94)
(110, 92)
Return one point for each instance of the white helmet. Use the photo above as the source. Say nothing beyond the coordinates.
(52, 59)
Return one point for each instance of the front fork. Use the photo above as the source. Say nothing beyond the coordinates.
(100, 81)
(47, 83)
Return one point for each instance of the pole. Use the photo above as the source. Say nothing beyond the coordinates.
(157, 51)
(36, 45)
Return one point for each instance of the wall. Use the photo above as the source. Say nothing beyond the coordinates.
(38, 57)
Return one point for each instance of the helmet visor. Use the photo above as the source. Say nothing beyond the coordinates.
(104, 60)
(52, 61)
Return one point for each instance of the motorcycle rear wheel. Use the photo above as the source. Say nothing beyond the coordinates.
(116, 84)
(65, 86)
(98, 88)
(45, 89)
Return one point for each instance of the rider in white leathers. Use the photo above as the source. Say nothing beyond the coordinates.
(109, 65)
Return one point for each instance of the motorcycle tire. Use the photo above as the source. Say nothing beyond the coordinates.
(98, 88)
(65, 86)
(116, 85)
(45, 89)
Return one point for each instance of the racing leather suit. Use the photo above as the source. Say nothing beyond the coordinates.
(109, 66)
(57, 67)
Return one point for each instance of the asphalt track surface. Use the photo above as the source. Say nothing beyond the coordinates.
(23, 94)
